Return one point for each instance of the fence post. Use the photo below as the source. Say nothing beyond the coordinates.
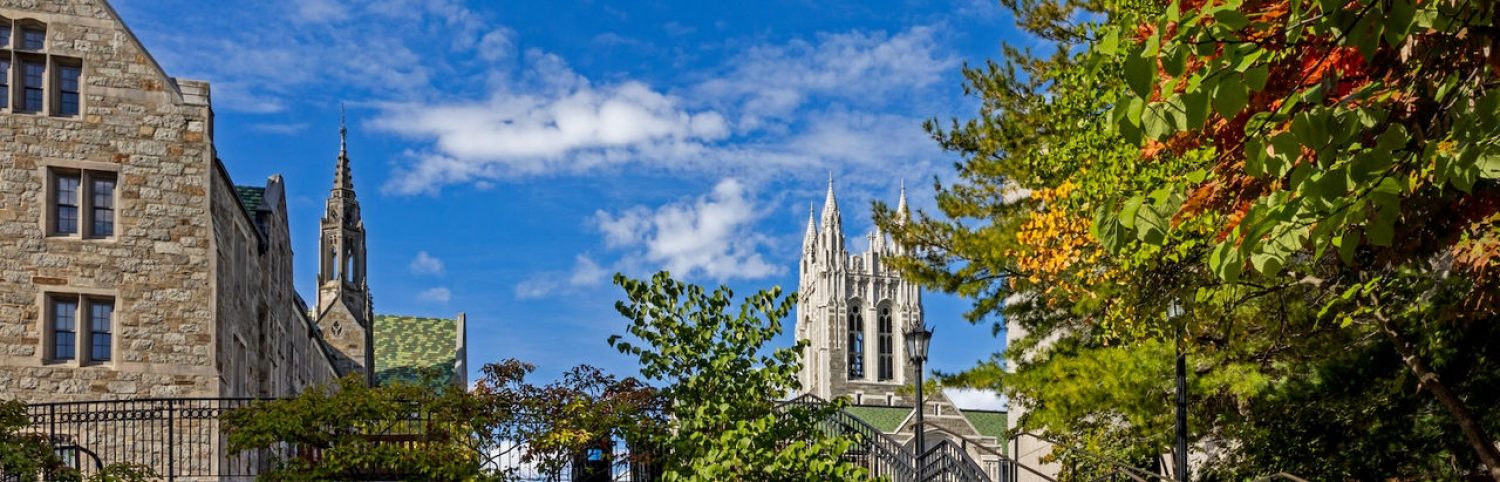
(171, 441)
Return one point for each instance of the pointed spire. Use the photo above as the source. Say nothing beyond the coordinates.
(811, 238)
(830, 206)
(902, 214)
(342, 178)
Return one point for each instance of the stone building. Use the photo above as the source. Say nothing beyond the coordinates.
(853, 309)
(133, 264)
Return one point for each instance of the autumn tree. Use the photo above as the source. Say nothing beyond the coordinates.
(1313, 180)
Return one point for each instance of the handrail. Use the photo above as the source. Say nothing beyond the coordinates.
(982, 448)
(951, 459)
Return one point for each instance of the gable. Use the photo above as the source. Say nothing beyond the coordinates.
(408, 348)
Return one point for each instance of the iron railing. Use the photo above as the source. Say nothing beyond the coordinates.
(872, 449)
(947, 462)
(183, 439)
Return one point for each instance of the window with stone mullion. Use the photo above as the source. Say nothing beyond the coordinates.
(4, 78)
(856, 346)
(886, 345)
(65, 210)
(102, 209)
(101, 330)
(64, 329)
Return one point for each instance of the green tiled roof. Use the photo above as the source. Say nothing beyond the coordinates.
(410, 348)
(885, 419)
(251, 197)
(989, 424)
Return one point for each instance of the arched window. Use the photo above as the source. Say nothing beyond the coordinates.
(886, 344)
(856, 343)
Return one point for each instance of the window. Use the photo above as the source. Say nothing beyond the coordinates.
(885, 343)
(33, 76)
(81, 328)
(101, 329)
(64, 328)
(856, 344)
(34, 80)
(104, 207)
(65, 213)
(82, 202)
(67, 89)
(33, 38)
(4, 82)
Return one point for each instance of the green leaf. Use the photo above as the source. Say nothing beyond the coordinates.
(1175, 60)
(1266, 263)
(1399, 19)
(1196, 106)
(1110, 43)
(1489, 165)
(1140, 74)
(1230, 96)
(1255, 77)
(1232, 19)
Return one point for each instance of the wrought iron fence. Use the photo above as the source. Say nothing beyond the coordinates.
(182, 439)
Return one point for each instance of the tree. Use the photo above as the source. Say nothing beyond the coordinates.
(722, 387)
(428, 432)
(1312, 180)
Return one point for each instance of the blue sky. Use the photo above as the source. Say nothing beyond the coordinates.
(511, 155)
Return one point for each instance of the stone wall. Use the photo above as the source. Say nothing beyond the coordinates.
(155, 135)
(204, 300)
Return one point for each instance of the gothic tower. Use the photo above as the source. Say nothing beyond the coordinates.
(344, 304)
(852, 309)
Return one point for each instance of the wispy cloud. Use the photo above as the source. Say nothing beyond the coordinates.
(586, 273)
(438, 295)
(712, 236)
(426, 264)
(772, 109)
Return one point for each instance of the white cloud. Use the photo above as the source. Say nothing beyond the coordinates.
(975, 399)
(497, 45)
(426, 264)
(439, 295)
(748, 119)
(773, 81)
(712, 236)
(530, 133)
(586, 273)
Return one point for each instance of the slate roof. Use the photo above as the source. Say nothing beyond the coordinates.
(988, 423)
(885, 419)
(251, 197)
(888, 419)
(408, 347)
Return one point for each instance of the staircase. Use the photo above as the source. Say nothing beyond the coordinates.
(886, 458)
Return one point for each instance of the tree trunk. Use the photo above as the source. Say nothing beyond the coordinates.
(1489, 454)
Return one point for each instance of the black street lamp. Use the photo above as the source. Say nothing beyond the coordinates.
(1174, 312)
(917, 339)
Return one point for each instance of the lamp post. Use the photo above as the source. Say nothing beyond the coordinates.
(917, 339)
(1174, 312)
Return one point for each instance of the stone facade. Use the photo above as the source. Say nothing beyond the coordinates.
(853, 310)
(195, 286)
(840, 291)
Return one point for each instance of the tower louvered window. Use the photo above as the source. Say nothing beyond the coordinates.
(856, 344)
(886, 344)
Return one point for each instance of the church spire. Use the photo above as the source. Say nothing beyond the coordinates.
(810, 238)
(343, 179)
(902, 214)
(831, 218)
